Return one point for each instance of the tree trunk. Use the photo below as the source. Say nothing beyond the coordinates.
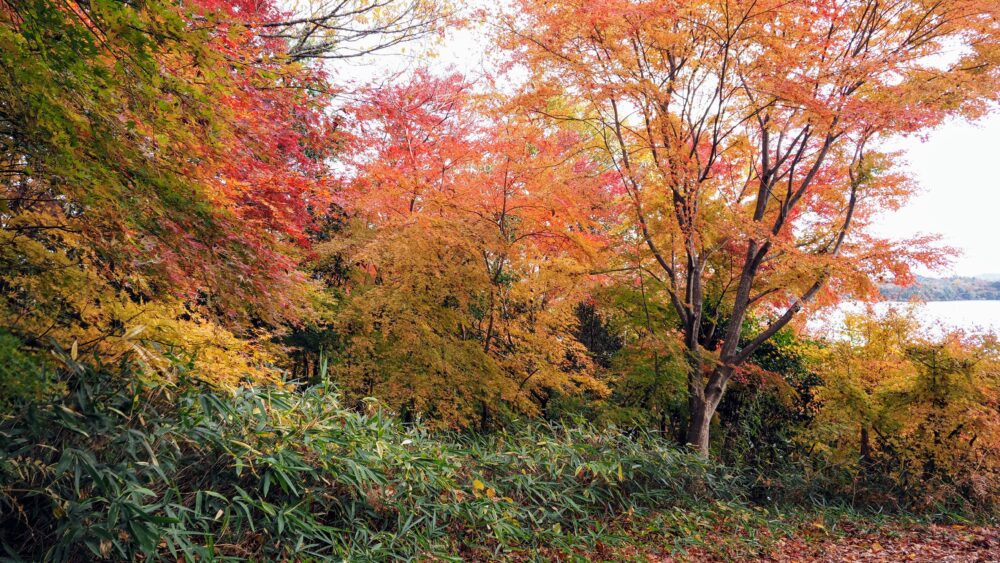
(702, 411)
(703, 400)
(866, 449)
(697, 434)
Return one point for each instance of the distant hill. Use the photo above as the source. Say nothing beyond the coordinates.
(985, 288)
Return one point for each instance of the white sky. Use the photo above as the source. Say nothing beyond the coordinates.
(960, 196)
(954, 166)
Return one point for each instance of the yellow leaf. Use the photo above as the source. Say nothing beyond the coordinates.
(478, 485)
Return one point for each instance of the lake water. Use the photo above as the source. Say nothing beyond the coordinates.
(937, 315)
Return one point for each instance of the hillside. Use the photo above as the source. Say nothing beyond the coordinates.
(945, 289)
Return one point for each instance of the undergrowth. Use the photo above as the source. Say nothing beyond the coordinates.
(113, 468)
(120, 469)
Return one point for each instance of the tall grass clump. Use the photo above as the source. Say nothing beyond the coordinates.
(112, 467)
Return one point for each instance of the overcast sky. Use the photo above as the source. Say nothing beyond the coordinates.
(955, 167)
(957, 170)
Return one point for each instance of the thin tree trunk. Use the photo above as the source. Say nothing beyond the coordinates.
(866, 449)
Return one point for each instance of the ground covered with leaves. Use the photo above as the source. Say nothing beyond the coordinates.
(955, 543)
(712, 534)
(889, 542)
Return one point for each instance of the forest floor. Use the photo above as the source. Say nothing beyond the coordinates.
(723, 534)
(889, 543)
(943, 544)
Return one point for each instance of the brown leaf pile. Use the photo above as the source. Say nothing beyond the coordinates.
(933, 543)
(940, 544)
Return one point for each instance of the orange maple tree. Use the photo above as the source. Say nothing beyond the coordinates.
(746, 135)
(469, 238)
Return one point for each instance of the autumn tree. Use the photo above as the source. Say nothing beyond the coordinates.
(468, 239)
(746, 135)
(159, 167)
